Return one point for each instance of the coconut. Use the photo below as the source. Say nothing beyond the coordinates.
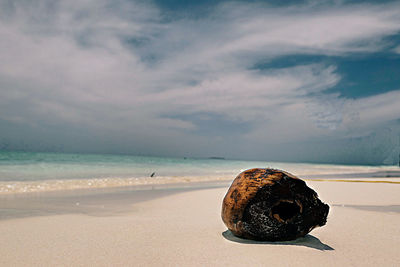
(271, 205)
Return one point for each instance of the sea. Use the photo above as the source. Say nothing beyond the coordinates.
(39, 172)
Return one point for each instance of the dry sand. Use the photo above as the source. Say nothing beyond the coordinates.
(173, 227)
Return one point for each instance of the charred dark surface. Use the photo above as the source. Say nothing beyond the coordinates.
(272, 205)
(283, 211)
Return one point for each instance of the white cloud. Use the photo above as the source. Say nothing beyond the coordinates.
(321, 31)
(375, 110)
(106, 65)
(397, 49)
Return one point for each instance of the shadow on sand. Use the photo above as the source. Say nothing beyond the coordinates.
(307, 241)
(387, 208)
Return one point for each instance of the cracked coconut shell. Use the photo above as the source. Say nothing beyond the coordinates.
(271, 205)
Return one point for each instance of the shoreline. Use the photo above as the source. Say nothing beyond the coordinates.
(43, 186)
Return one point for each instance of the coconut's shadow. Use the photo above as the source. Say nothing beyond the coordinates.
(307, 241)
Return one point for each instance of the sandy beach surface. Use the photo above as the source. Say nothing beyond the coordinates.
(182, 227)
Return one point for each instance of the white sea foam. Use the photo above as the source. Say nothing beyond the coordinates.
(14, 187)
(41, 172)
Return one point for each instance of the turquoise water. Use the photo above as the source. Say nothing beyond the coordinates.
(33, 172)
(29, 166)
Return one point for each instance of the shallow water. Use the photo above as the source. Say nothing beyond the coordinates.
(32, 172)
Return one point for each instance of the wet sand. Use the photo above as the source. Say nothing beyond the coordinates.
(178, 226)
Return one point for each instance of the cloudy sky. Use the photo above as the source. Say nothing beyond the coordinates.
(311, 81)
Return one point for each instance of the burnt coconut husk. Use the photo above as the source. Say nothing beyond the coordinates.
(271, 205)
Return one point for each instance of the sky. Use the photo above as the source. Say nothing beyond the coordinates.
(299, 81)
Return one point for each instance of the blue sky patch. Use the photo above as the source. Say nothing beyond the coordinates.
(362, 75)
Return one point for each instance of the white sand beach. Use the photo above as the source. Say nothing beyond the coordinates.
(174, 227)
